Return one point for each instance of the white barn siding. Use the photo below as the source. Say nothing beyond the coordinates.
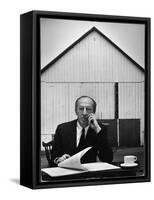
(57, 102)
(102, 93)
(93, 59)
(91, 68)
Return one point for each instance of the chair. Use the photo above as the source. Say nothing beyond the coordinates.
(48, 147)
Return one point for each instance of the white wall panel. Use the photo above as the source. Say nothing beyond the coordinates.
(54, 106)
(131, 100)
(58, 102)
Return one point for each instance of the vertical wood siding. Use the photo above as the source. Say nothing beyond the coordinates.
(58, 102)
(93, 59)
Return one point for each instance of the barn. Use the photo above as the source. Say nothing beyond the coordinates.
(95, 66)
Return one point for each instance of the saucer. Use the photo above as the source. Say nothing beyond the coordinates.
(128, 165)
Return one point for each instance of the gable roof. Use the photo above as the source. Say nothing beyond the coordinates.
(81, 38)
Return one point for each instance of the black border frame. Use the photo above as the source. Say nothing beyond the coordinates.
(30, 97)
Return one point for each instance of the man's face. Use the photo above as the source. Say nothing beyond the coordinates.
(84, 108)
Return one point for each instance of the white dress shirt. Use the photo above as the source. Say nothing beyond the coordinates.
(79, 132)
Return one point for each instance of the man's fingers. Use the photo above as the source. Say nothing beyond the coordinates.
(62, 158)
(91, 116)
(66, 156)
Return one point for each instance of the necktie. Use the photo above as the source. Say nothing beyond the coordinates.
(82, 140)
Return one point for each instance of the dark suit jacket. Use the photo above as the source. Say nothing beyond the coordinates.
(65, 143)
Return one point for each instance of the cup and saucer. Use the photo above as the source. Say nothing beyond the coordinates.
(129, 161)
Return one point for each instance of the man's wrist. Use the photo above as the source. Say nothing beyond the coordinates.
(97, 129)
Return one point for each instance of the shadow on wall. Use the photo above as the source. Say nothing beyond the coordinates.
(127, 128)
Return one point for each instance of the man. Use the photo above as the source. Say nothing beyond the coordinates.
(73, 136)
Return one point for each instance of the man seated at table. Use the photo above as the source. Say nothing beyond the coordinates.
(85, 131)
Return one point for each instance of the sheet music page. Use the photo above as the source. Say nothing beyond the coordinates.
(58, 171)
(99, 166)
(74, 162)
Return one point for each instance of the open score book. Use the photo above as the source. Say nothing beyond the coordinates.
(73, 165)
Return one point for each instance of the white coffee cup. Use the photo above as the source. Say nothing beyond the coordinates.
(130, 159)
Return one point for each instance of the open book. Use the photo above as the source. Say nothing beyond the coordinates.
(73, 165)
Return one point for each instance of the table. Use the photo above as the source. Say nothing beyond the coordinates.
(103, 175)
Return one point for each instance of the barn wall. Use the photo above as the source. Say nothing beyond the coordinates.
(93, 59)
(91, 68)
(57, 102)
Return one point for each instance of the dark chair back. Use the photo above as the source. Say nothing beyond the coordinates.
(48, 147)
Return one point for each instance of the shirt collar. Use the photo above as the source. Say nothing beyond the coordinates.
(80, 127)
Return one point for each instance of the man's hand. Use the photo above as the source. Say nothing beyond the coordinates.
(93, 123)
(62, 158)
